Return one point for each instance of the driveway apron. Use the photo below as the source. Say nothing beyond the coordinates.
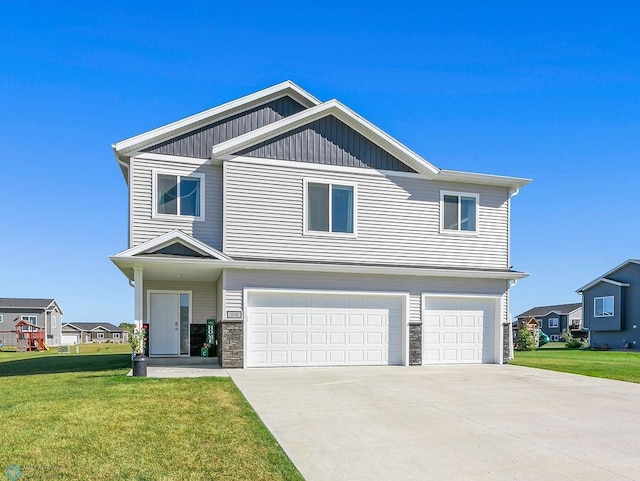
(472, 422)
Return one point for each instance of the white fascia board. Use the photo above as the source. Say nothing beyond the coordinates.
(483, 179)
(607, 274)
(68, 324)
(169, 238)
(343, 113)
(194, 121)
(128, 262)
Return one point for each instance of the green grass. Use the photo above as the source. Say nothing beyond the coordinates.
(622, 366)
(78, 417)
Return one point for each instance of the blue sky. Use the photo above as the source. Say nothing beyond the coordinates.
(541, 91)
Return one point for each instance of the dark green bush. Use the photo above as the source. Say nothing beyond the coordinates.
(524, 340)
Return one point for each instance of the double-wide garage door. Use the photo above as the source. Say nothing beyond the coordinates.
(300, 329)
(459, 330)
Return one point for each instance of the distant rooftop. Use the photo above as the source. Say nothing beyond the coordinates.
(25, 303)
(90, 326)
(544, 310)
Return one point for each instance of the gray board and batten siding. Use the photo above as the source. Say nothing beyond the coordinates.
(198, 143)
(327, 141)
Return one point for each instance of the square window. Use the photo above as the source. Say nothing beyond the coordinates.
(100, 335)
(459, 212)
(180, 195)
(553, 322)
(603, 306)
(116, 335)
(330, 207)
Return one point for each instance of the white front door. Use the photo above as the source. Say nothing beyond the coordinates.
(164, 324)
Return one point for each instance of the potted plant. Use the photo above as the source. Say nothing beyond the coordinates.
(139, 361)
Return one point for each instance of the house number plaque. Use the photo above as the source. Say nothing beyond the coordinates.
(234, 314)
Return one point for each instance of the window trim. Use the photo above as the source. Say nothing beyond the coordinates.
(613, 306)
(54, 321)
(554, 337)
(99, 335)
(305, 203)
(1, 318)
(458, 231)
(154, 191)
(115, 335)
(555, 324)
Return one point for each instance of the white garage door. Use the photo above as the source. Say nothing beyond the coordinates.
(459, 330)
(294, 329)
(69, 339)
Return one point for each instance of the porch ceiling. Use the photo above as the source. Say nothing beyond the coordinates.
(171, 268)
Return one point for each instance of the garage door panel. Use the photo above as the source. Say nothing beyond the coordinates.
(454, 330)
(318, 329)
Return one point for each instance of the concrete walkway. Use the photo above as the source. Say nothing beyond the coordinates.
(479, 422)
(186, 371)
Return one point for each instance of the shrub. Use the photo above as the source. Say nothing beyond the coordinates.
(573, 343)
(524, 340)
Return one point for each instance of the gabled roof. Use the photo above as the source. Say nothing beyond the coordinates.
(341, 112)
(605, 277)
(175, 236)
(93, 326)
(152, 137)
(559, 309)
(27, 303)
(314, 110)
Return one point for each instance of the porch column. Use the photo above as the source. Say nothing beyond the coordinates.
(138, 296)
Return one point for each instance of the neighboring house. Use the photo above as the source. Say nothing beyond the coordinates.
(611, 305)
(556, 319)
(44, 313)
(314, 238)
(84, 332)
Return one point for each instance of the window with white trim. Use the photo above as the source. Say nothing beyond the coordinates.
(554, 337)
(1, 318)
(30, 320)
(100, 335)
(330, 207)
(116, 335)
(179, 195)
(553, 322)
(459, 211)
(603, 306)
(54, 321)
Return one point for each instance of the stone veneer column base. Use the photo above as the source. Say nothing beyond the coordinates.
(230, 343)
(415, 344)
(506, 345)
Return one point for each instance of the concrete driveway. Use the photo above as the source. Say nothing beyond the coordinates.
(478, 422)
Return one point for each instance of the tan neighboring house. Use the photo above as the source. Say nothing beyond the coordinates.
(86, 332)
(44, 313)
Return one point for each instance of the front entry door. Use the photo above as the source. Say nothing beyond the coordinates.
(164, 325)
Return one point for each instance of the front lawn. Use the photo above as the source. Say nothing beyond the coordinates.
(623, 366)
(78, 417)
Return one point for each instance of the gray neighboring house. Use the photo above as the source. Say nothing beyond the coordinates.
(45, 313)
(611, 305)
(87, 332)
(314, 238)
(556, 319)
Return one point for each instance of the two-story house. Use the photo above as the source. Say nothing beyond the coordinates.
(313, 238)
(42, 314)
(611, 305)
(557, 319)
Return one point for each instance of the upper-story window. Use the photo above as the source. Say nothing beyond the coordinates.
(603, 306)
(54, 321)
(553, 322)
(330, 207)
(459, 212)
(179, 195)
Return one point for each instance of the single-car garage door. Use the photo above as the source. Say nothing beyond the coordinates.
(69, 339)
(460, 330)
(300, 329)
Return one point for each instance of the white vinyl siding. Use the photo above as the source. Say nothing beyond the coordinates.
(144, 226)
(236, 281)
(203, 299)
(398, 220)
